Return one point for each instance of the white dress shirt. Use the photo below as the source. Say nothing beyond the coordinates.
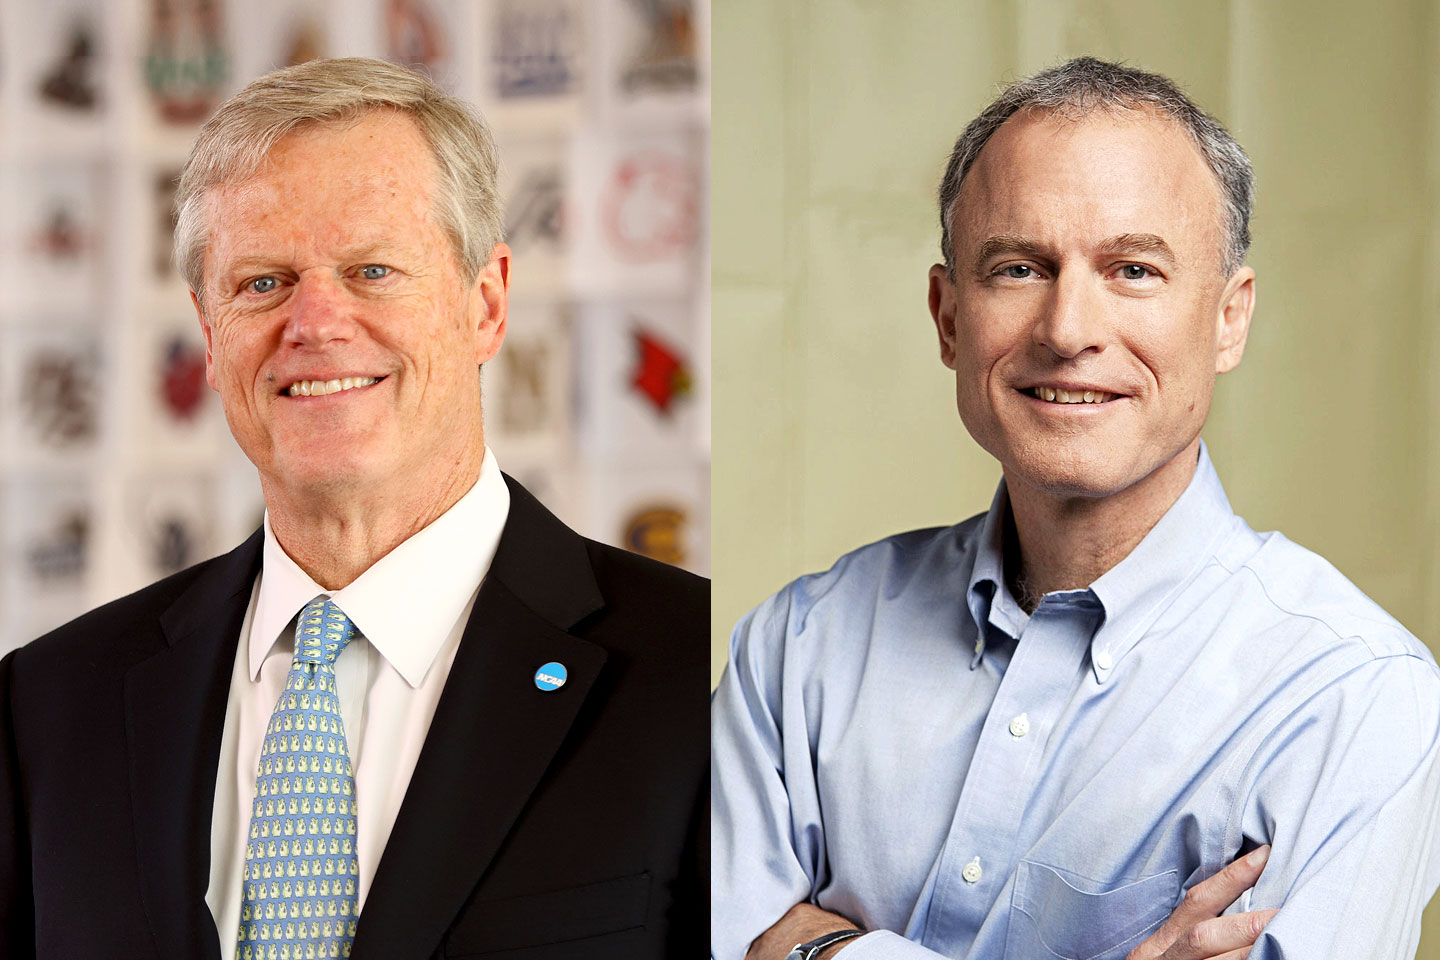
(409, 609)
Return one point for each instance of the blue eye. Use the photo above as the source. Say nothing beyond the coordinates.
(262, 284)
(1018, 271)
(1133, 271)
(374, 272)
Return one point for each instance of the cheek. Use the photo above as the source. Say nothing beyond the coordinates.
(980, 352)
(237, 356)
(1183, 370)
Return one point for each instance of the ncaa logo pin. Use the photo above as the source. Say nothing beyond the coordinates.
(551, 676)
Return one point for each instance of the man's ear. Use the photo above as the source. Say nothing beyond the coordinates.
(489, 301)
(209, 342)
(1232, 322)
(942, 309)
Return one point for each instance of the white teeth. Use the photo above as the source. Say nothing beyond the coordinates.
(1055, 395)
(319, 388)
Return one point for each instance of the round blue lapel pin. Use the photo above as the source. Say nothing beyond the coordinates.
(551, 676)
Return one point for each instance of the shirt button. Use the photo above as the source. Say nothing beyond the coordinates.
(1102, 660)
(1020, 725)
(972, 871)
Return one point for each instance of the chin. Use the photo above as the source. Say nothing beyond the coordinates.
(1068, 471)
(311, 471)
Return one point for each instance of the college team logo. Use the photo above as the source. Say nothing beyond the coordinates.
(535, 215)
(665, 61)
(59, 554)
(650, 208)
(661, 374)
(186, 65)
(657, 532)
(537, 49)
(71, 81)
(59, 396)
(182, 378)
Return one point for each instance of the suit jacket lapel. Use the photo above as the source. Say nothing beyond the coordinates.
(174, 715)
(493, 735)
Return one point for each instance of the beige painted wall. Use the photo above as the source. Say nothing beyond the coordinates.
(834, 422)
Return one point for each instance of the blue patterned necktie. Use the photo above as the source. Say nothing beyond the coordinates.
(299, 885)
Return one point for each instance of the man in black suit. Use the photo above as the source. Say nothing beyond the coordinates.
(524, 709)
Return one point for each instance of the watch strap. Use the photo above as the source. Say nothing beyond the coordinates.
(808, 951)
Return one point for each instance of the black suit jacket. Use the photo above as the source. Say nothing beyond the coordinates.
(536, 825)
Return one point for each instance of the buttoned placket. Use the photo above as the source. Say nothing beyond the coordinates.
(981, 849)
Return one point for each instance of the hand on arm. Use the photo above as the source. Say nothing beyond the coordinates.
(1347, 788)
(1197, 931)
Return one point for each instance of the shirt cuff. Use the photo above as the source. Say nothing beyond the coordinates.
(884, 945)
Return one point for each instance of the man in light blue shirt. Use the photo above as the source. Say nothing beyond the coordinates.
(1029, 735)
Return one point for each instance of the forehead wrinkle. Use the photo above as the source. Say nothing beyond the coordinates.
(1095, 191)
(366, 222)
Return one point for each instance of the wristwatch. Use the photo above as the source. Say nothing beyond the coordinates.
(808, 951)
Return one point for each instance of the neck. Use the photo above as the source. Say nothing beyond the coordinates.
(336, 535)
(1069, 542)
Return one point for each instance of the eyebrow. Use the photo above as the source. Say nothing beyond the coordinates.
(1004, 243)
(1140, 243)
(1012, 243)
(377, 250)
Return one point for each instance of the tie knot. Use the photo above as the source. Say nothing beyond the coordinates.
(322, 632)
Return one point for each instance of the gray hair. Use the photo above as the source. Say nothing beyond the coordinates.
(235, 141)
(1084, 85)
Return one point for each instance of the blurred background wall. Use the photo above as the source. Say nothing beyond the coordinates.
(834, 422)
(116, 467)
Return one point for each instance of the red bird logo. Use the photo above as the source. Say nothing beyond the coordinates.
(182, 378)
(661, 374)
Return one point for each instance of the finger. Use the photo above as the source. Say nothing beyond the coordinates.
(1218, 936)
(1210, 898)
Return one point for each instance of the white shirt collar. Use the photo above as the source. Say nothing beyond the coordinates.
(409, 600)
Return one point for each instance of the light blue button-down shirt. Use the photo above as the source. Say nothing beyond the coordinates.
(896, 741)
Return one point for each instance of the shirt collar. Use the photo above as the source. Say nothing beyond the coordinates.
(407, 603)
(1137, 590)
(1133, 592)
(988, 597)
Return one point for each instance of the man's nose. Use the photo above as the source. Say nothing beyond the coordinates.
(1072, 318)
(320, 310)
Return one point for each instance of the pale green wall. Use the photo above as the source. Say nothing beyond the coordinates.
(834, 422)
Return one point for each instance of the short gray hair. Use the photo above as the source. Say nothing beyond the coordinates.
(1084, 85)
(235, 141)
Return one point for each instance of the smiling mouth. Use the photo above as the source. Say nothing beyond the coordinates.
(321, 388)
(1056, 395)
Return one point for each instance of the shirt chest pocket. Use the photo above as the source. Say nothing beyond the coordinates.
(1055, 914)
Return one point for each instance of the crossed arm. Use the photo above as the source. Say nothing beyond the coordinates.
(1198, 929)
(1344, 788)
